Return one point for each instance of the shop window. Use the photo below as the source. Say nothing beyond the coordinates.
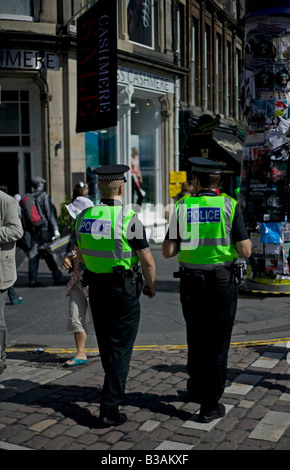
(18, 9)
(194, 63)
(179, 41)
(143, 144)
(237, 77)
(207, 69)
(101, 150)
(140, 17)
(228, 79)
(218, 75)
(235, 9)
(14, 118)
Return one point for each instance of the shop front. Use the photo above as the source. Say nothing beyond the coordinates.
(20, 116)
(143, 140)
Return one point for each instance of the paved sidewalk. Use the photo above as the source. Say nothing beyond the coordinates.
(44, 406)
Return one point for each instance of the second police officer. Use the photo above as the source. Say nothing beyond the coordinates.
(112, 241)
(207, 232)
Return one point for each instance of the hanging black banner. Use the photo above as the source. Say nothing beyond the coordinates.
(97, 67)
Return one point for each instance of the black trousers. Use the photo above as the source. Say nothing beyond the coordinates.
(116, 319)
(209, 304)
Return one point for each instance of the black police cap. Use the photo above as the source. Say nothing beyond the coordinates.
(205, 165)
(111, 172)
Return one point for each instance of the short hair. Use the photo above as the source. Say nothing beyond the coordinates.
(207, 180)
(110, 188)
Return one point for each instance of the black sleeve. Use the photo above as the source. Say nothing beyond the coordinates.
(239, 232)
(136, 235)
(173, 230)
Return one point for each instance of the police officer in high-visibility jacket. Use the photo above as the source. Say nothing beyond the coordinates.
(207, 232)
(111, 242)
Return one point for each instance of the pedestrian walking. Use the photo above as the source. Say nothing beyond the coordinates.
(77, 294)
(207, 232)
(81, 189)
(10, 231)
(40, 220)
(14, 298)
(111, 242)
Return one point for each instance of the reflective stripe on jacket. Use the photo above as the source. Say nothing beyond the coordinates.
(101, 233)
(205, 225)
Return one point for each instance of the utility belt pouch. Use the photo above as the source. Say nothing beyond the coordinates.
(139, 282)
(238, 273)
(133, 281)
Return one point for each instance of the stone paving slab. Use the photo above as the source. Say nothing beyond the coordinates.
(243, 384)
(171, 445)
(271, 427)
(194, 424)
(285, 396)
(268, 360)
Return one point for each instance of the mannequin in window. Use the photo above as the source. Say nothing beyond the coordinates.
(136, 176)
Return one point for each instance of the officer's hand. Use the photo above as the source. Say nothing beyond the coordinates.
(149, 291)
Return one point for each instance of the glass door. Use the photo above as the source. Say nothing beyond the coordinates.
(144, 160)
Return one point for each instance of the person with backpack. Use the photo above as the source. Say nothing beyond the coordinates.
(40, 220)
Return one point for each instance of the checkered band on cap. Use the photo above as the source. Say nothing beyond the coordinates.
(111, 172)
(112, 177)
(205, 165)
(208, 171)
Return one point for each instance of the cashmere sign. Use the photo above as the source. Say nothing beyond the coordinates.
(97, 67)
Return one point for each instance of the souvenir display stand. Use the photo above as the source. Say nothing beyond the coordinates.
(265, 175)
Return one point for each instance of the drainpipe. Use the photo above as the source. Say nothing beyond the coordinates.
(45, 98)
(176, 124)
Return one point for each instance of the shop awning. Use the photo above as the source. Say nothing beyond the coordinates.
(208, 138)
(230, 143)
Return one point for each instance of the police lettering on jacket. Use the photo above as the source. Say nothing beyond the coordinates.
(203, 214)
(96, 227)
